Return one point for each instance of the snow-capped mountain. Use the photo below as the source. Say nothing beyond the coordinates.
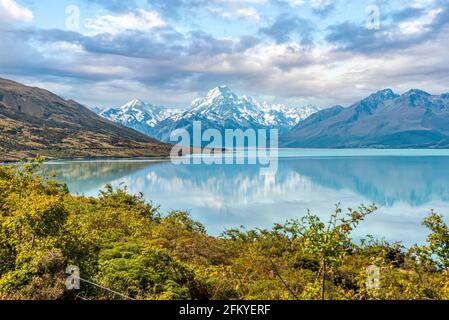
(95, 109)
(224, 108)
(139, 115)
(222, 104)
(279, 115)
(219, 109)
(415, 119)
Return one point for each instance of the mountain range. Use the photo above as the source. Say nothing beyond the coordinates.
(34, 121)
(415, 119)
(385, 119)
(139, 115)
(219, 109)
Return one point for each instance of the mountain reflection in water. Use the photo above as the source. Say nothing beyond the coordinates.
(228, 196)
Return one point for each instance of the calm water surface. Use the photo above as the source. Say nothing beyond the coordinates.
(405, 184)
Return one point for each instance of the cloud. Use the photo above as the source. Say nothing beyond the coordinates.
(295, 3)
(286, 26)
(173, 72)
(248, 13)
(151, 55)
(173, 8)
(404, 32)
(114, 5)
(240, 1)
(140, 20)
(323, 7)
(406, 14)
(421, 24)
(229, 13)
(11, 12)
(291, 3)
(187, 9)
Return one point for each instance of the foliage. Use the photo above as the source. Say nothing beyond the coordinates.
(438, 241)
(125, 249)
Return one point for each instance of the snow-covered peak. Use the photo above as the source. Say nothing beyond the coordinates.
(219, 101)
(250, 100)
(138, 105)
(138, 112)
(221, 92)
(417, 92)
(133, 103)
(279, 115)
(219, 107)
(222, 105)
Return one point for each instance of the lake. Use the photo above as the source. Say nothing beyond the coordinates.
(404, 184)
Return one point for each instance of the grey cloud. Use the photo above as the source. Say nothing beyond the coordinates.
(25, 60)
(114, 5)
(442, 19)
(153, 59)
(135, 44)
(167, 8)
(247, 42)
(326, 8)
(185, 62)
(286, 26)
(281, 3)
(174, 8)
(355, 37)
(204, 44)
(406, 14)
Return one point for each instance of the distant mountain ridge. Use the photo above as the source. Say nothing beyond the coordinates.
(220, 109)
(34, 121)
(138, 115)
(415, 119)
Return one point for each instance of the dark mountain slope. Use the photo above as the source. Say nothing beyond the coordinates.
(34, 122)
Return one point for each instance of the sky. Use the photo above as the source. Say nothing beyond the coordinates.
(103, 53)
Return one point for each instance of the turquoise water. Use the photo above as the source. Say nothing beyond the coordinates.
(405, 184)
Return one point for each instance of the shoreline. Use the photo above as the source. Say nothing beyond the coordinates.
(197, 151)
(191, 150)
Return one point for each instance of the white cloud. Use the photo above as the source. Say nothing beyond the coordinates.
(420, 25)
(242, 1)
(296, 3)
(291, 72)
(10, 11)
(320, 4)
(421, 3)
(248, 13)
(141, 20)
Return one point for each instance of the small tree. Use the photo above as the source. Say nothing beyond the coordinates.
(438, 241)
(330, 241)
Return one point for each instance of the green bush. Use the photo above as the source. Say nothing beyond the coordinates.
(125, 249)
